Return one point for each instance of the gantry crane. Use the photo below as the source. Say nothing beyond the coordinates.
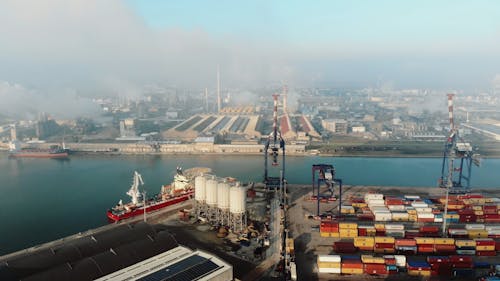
(325, 174)
(456, 175)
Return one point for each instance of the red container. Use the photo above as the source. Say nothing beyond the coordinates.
(444, 249)
(344, 247)
(497, 246)
(393, 201)
(438, 259)
(366, 217)
(458, 259)
(384, 245)
(466, 211)
(375, 268)
(390, 261)
(442, 272)
(426, 248)
(429, 229)
(475, 195)
(463, 265)
(411, 234)
(362, 232)
(486, 253)
(485, 242)
(380, 233)
(425, 219)
(405, 242)
(352, 264)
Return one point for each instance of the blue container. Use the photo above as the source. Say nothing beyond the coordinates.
(481, 264)
(464, 273)
(392, 267)
(421, 264)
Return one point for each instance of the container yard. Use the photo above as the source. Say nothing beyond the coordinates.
(395, 233)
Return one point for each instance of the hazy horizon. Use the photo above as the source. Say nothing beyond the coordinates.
(61, 49)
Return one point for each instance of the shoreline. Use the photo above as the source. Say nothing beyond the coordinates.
(113, 154)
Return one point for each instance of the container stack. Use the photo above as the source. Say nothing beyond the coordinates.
(366, 230)
(384, 245)
(425, 244)
(329, 229)
(329, 264)
(444, 245)
(476, 231)
(419, 268)
(364, 243)
(465, 247)
(440, 265)
(493, 231)
(351, 265)
(374, 265)
(462, 266)
(408, 246)
(348, 230)
(391, 264)
(395, 230)
(485, 247)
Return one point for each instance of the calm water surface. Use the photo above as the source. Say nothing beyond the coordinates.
(45, 199)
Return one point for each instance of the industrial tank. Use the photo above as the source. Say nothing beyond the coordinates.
(223, 196)
(211, 192)
(237, 196)
(200, 188)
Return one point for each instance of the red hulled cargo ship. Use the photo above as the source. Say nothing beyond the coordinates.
(180, 190)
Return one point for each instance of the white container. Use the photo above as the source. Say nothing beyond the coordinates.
(492, 227)
(369, 196)
(329, 270)
(328, 258)
(200, 188)
(425, 215)
(454, 231)
(211, 195)
(400, 215)
(438, 219)
(379, 208)
(470, 226)
(223, 196)
(379, 216)
(423, 210)
(394, 227)
(419, 205)
(400, 260)
(396, 207)
(412, 197)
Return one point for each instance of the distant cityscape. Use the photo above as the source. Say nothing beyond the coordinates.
(235, 120)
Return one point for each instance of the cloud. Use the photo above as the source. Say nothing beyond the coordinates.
(99, 47)
(21, 102)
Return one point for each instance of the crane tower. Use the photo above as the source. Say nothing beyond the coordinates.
(458, 158)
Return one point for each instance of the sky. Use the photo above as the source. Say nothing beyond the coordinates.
(63, 49)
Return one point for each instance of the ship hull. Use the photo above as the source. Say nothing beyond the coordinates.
(39, 155)
(150, 208)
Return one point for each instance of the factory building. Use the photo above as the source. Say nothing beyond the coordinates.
(179, 263)
(335, 125)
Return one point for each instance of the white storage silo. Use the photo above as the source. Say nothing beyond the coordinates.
(223, 197)
(237, 204)
(211, 192)
(200, 188)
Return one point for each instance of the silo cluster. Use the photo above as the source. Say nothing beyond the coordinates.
(221, 201)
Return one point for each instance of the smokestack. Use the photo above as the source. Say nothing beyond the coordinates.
(450, 112)
(206, 100)
(218, 90)
(285, 93)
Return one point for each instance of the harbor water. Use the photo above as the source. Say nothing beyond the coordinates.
(46, 199)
